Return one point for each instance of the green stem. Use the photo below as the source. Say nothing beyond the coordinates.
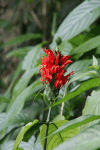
(47, 128)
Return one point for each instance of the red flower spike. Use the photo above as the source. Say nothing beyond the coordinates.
(52, 70)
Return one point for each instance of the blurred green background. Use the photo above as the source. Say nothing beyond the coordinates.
(27, 17)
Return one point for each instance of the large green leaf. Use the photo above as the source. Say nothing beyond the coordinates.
(87, 46)
(79, 66)
(82, 75)
(37, 144)
(23, 82)
(2, 106)
(18, 103)
(92, 106)
(95, 61)
(78, 20)
(77, 122)
(55, 140)
(4, 99)
(20, 51)
(2, 120)
(35, 124)
(83, 87)
(18, 121)
(22, 146)
(79, 39)
(87, 140)
(21, 85)
(21, 118)
(23, 38)
(31, 58)
(14, 78)
(65, 47)
(58, 117)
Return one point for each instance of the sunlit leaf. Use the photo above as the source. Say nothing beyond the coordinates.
(87, 46)
(55, 140)
(95, 62)
(78, 20)
(22, 146)
(83, 87)
(18, 103)
(89, 139)
(23, 82)
(77, 122)
(92, 106)
(82, 75)
(65, 47)
(2, 120)
(32, 57)
(21, 134)
(58, 117)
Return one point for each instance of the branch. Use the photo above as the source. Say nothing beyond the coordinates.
(34, 16)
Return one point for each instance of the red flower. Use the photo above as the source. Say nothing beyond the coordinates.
(52, 70)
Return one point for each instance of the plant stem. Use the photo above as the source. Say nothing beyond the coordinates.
(62, 106)
(47, 128)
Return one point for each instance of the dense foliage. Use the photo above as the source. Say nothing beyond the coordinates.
(73, 123)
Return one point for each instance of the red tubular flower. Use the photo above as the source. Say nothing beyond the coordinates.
(52, 68)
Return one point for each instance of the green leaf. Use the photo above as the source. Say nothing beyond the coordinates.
(78, 40)
(16, 73)
(17, 122)
(65, 47)
(55, 140)
(87, 46)
(18, 103)
(2, 106)
(83, 87)
(89, 139)
(2, 120)
(98, 50)
(37, 144)
(77, 122)
(82, 75)
(79, 66)
(14, 78)
(23, 38)
(95, 63)
(22, 146)
(32, 140)
(23, 82)
(21, 134)
(92, 106)
(78, 20)
(21, 118)
(58, 117)
(38, 86)
(20, 51)
(25, 146)
(31, 58)
(45, 98)
(21, 85)
(4, 99)
(54, 24)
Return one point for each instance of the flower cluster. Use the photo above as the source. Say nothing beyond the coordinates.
(52, 70)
